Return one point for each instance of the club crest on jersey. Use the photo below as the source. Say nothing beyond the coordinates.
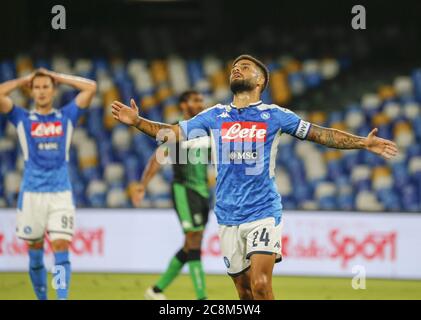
(46, 129)
(265, 115)
(244, 131)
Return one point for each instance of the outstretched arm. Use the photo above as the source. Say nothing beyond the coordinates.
(138, 192)
(87, 87)
(338, 139)
(130, 116)
(7, 87)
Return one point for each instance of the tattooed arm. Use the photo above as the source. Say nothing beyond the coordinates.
(130, 116)
(338, 139)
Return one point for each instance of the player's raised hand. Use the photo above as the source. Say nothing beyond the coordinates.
(382, 147)
(125, 114)
(137, 193)
(26, 80)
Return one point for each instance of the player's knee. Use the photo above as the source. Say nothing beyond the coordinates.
(193, 240)
(245, 294)
(260, 284)
(60, 245)
(35, 245)
(242, 284)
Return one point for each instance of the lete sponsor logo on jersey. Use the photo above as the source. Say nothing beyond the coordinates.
(46, 129)
(244, 131)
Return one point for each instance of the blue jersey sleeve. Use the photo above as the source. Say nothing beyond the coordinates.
(198, 126)
(292, 124)
(16, 114)
(73, 111)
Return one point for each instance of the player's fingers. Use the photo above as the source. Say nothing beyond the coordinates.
(392, 151)
(115, 112)
(116, 106)
(119, 104)
(388, 144)
(391, 144)
(391, 147)
(387, 155)
(133, 104)
(373, 132)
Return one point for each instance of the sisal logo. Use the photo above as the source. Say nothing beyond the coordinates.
(46, 129)
(244, 131)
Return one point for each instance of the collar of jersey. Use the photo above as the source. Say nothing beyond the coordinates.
(254, 104)
(53, 110)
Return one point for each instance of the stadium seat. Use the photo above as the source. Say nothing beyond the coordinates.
(96, 193)
(367, 201)
(117, 198)
(325, 193)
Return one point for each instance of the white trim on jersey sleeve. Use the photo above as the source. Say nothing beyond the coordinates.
(219, 106)
(22, 138)
(183, 123)
(263, 107)
(303, 126)
(68, 137)
(214, 153)
(273, 152)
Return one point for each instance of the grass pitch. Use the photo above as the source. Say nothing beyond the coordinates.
(98, 286)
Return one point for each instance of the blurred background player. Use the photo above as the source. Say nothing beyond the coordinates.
(45, 201)
(190, 197)
(248, 206)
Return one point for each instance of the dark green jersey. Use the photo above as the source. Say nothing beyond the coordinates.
(190, 166)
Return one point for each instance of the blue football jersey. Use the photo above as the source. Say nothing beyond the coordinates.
(245, 142)
(45, 143)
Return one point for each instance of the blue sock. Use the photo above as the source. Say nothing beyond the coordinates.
(38, 273)
(62, 264)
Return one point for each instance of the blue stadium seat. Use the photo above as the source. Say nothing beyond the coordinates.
(7, 70)
(410, 198)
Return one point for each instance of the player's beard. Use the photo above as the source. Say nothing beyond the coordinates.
(47, 104)
(239, 85)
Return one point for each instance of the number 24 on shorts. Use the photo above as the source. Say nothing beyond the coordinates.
(264, 237)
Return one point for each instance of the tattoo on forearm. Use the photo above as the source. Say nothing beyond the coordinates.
(154, 129)
(335, 138)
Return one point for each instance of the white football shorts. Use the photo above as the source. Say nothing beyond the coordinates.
(238, 243)
(51, 212)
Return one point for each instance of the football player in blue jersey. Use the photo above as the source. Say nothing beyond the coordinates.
(45, 202)
(245, 135)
